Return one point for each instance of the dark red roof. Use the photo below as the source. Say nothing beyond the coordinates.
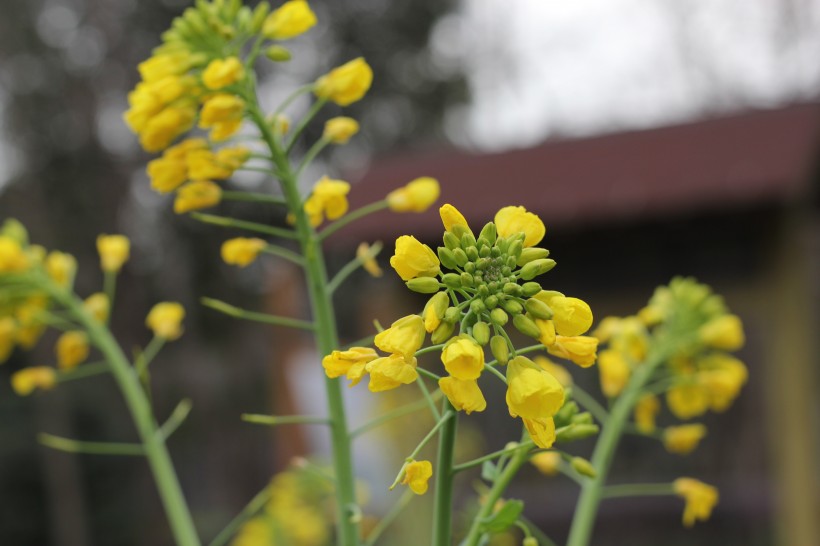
(733, 161)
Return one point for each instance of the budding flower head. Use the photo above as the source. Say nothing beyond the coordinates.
(288, 21)
(340, 129)
(242, 251)
(165, 320)
(416, 475)
(114, 251)
(28, 380)
(416, 196)
(345, 84)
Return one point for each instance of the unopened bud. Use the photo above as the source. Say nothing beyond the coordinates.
(451, 315)
(485, 250)
(278, 54)
(469, 267)
(472, 253)
(576, 432)
(538, 309)
(500, 349)
(512, 307)
(526, 326)
(583, 467)
(468, 240)
(481, 332)
(446, 257)
(499, 317)
(424, 285)
(477, 307)
(512, 289)
(460, 256)
(530, 289)
(459, 230)
(530, 541)
(515, 249)
(443, 332)
(467, 280)
(451, 280)
(491, 302)
(530, 254)
(566, 413)
(584, 418)
(535, 268)
(488, 232)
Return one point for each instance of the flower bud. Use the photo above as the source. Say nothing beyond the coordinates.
(451, 280)
(484, 251)
(583, 467)
(289, 20)
(467, 279)
(530, 541)
(538, 309)
(472, 253)
(530, 254)
(415, 196)
(278, 54)
(535, 268)
(491, 302)
(470, 268)
(526, 326)
(481, 332)
(500, 349)
(446, 257)
(477, 307)
(511, 289)
(584, 418)
(340, 129)
(451, 241)
(515, 249)
(499, 317)
(488, 233)
(345, 84)
(165, 320)
(529, 289)
(577, 432)
(452, 315)
(423, 285)
(459, 230)
(512, 307)
(434, 311)
(566, 413)
(443, 332)
(461, 257)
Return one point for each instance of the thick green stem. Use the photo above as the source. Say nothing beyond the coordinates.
(443, 501)
(153, 442)
(348, 513)
(586, 510)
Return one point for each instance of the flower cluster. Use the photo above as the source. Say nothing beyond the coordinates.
(488, 288)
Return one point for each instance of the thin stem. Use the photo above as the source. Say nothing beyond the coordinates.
(430, 349)
(314, 109)
(83, 371)
(311, 154)
(496, 373)
(94, 448)
(490, 456)
(443, 500)
(407, 409)
(352, 266)
(288, 101)
(385, 522)
(274, 420)
(236, 312)
(176, 418)
(428, 374)
(110, 286)
(253, 197)
(447, 416)
(588, 402)
(351, 217)
(145, 357)
(284, 253)
(224, 221)
(256, 505)
(638, 490)
(543, 539)
(426, 393)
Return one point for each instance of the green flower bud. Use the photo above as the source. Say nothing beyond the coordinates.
(491, 302)
(510, 263)
(583, 467)
(538, 309)
(258, 17)
(469, 267)
(506, 271)
(481, 332)
(535, 268)
(472, 253)
(530, 254)
(450, 241)
(493, 286)
(468, 241)
(530, 541)
(512, 307)
(503, 244)
(424, 285)
(446, 257)
(576, 432)
(483, 264)
(495, 252)
(500, 349)
(499, 317)
(443, 332)
(485, 251)
(439, 303)
(515, 249)
(584, 418)
(278, 54)
(512, 289)
(483, 291)
(526, 326)
(467, 280)
(489, 233)
(460, 256)
(452, 280)
(459, 230)
(451, 315)
(530, 289)
(566, 413)
(477, 307)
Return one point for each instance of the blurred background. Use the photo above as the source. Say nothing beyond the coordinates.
(654, 137)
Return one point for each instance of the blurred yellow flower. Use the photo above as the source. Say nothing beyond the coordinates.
(542, 431)
(512, 220)
(556, 370)
(416, 475)
(687, 401)
(350, 363)
(340, 129)
(12, 257)
(25, 381)
(434, 311)
(221, 108)
(165, 320)
(463, 358)
(548, 463)
(724, 332)
(646, 410)
(162, 129)
(463, 395)
(289, 20)
(98, 306)
(722, 376)
(160, 66)
(416, 196)
(683, 439)
(242, 251)
(71, 349)
(223, 72)
(345, 84)
(413, 259)
(8, 333)
(329, 199)
(614, 372)
(195, 195)
(61, 268)
(700, 499)
(369, 262)
(114, 251)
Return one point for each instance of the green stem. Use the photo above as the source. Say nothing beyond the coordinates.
(352, 266)
(224, 221)
(311, 155)
(303, 123)
(499, 486)
(496, 373)
(83, 371)
(176, 418)
(385, 522)
(638, 490)
(273, 420)
(284, 253)
(110, 286)
(586, 509)
(352, 217)
(428, 398)
(236, 312)
(428, 374)
(348, 512)
(94, 448)
(253, 197)
(443, 501)
(394, 414)
(153, 443)
(445, 418)
(491, 456)
(588, 401)
(256, 505)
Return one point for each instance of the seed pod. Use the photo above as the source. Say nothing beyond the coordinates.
(535, 268)
(451, 241)
(424, 285)
(500, 349)
(461, 257)
(526, 326)
(530, 254)
(512, 307)
(499, 317)
(538, 309)
(451, 280)
(481, 332)
(530, 289)
(443, 332)
(446, 257)
(489, 233)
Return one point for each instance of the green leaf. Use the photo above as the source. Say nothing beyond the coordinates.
(504, 518)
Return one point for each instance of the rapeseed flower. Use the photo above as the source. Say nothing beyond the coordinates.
(345, 84)
(389, 372)
(288, 21)
(700, 499)
(351, 363)
(165, 320)
(195, 195)
(27, 380)
(413, 259)
(328, 200)
(512, 220)
(464, 395)
(463, 358)
(340, 129)
(114, 251)
(242, 251)
(416, 475)
(223, 72)
(683, 439)
(405, 336)
(416, 196)
(72, 348)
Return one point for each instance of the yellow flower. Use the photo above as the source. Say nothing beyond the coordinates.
(345, 84)
(434, 311)
(512, 220)
(369, 262)
(700, 499)
(242, 251)
(167, 174)
(12, 257)
(413, 259)
(547, 329)
(463, 395)
(416, 475)
(329, 199)
(350, 363)
(224, 130)
(646, 410)
(463, 358)
(579, 349)
(160, 66)
(542, 431)
(724, 332)
(61, 267)
(288, 21)
(195, 195)
(98, 306)
(71, 349)
(27, 380)
(221, 108)
(723, 376)
(683, 439)
(614, 372)
(548, 463)
(163, 128)
(687, 401)
(8, 332)
(404, 337)
(203, 165)
(532, 393)
(391, 371)
(165, 320)
(340, 129)
(223, 72)
(114, 251)
(450, 217)
(29, 326)
(416, 196)
(556, 370)
(572, 317)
